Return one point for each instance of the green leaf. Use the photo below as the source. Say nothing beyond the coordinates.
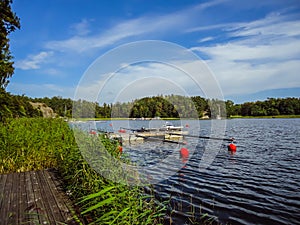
(120, 214)
(95, 195)
(102, 203)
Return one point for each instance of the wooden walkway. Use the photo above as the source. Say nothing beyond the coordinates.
(34, 197)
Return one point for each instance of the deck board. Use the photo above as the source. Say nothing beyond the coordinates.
(34, 197)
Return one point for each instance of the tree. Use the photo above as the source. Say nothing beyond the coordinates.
(9, 22)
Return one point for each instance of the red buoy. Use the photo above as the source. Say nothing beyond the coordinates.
(93, 132)
(120, 148)
(122, 131)
(232, 147)
(184, 154)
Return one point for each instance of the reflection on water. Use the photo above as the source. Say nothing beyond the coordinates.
(257, 184)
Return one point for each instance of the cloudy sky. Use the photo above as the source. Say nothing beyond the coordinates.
(247, 47)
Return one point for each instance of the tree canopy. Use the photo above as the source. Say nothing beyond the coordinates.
(9, 22)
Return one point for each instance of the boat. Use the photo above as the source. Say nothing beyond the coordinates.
(170, 127)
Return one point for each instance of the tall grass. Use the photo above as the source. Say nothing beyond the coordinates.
(33, 144)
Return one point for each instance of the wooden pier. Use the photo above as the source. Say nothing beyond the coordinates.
(34, 197)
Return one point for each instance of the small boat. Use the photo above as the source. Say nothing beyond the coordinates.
(166, 127)
(170, 127)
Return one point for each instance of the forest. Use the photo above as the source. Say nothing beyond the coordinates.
(169, 106)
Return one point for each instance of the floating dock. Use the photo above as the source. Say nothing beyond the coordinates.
(139, 137)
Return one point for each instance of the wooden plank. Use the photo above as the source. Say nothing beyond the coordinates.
(22, 199)
(13, 200)
(3, 179)
(61, 200)
(40, 207)
(53, 212)
(5, 209)
(31, 216)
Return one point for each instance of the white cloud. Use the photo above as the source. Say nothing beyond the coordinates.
(210, 27)
(82, 28)
(239, 51)
(41, 90)
(139, 27)
(84, 43)
(264, 56)
(205, 39)
(33, 61)
(273, 24)
(150, 79)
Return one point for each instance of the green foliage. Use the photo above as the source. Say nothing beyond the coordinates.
(61, 106)
(12, 106)
(151, 107)
(269, 107)
(174, 106)
(8, 23)
(31, 144)
(170, 106)
(39, 143)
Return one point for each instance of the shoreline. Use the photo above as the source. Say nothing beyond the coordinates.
(231, 117)
(266, 117)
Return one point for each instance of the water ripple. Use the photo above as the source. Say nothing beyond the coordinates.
(260, 184)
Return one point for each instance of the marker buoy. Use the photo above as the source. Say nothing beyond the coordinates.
(184, 153)
(122, 131)
(232, 147)
(120, 148)
(187, 125)
(93, 132)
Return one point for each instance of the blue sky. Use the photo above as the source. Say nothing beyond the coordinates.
(249, 46)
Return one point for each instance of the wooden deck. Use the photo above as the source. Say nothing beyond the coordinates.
(34, 197)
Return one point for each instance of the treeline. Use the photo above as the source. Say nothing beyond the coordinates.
(159, 106)
(269, 107)
(14, 106)
(170, 106)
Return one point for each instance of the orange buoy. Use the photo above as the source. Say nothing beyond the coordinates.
(232, 147)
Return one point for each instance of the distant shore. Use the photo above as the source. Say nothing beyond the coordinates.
(231, 117)
(264, 117)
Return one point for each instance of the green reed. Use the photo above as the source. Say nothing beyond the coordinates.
(38, 143)
(31, 144)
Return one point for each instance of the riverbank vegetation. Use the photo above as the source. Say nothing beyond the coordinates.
(170, 106)
(38, 143)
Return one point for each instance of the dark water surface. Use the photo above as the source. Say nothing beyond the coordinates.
(259, 184)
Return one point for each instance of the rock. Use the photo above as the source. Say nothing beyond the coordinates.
(46, 110)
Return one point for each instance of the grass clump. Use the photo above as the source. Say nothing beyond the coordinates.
(39, 143)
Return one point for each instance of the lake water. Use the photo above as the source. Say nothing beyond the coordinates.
(259, 184)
